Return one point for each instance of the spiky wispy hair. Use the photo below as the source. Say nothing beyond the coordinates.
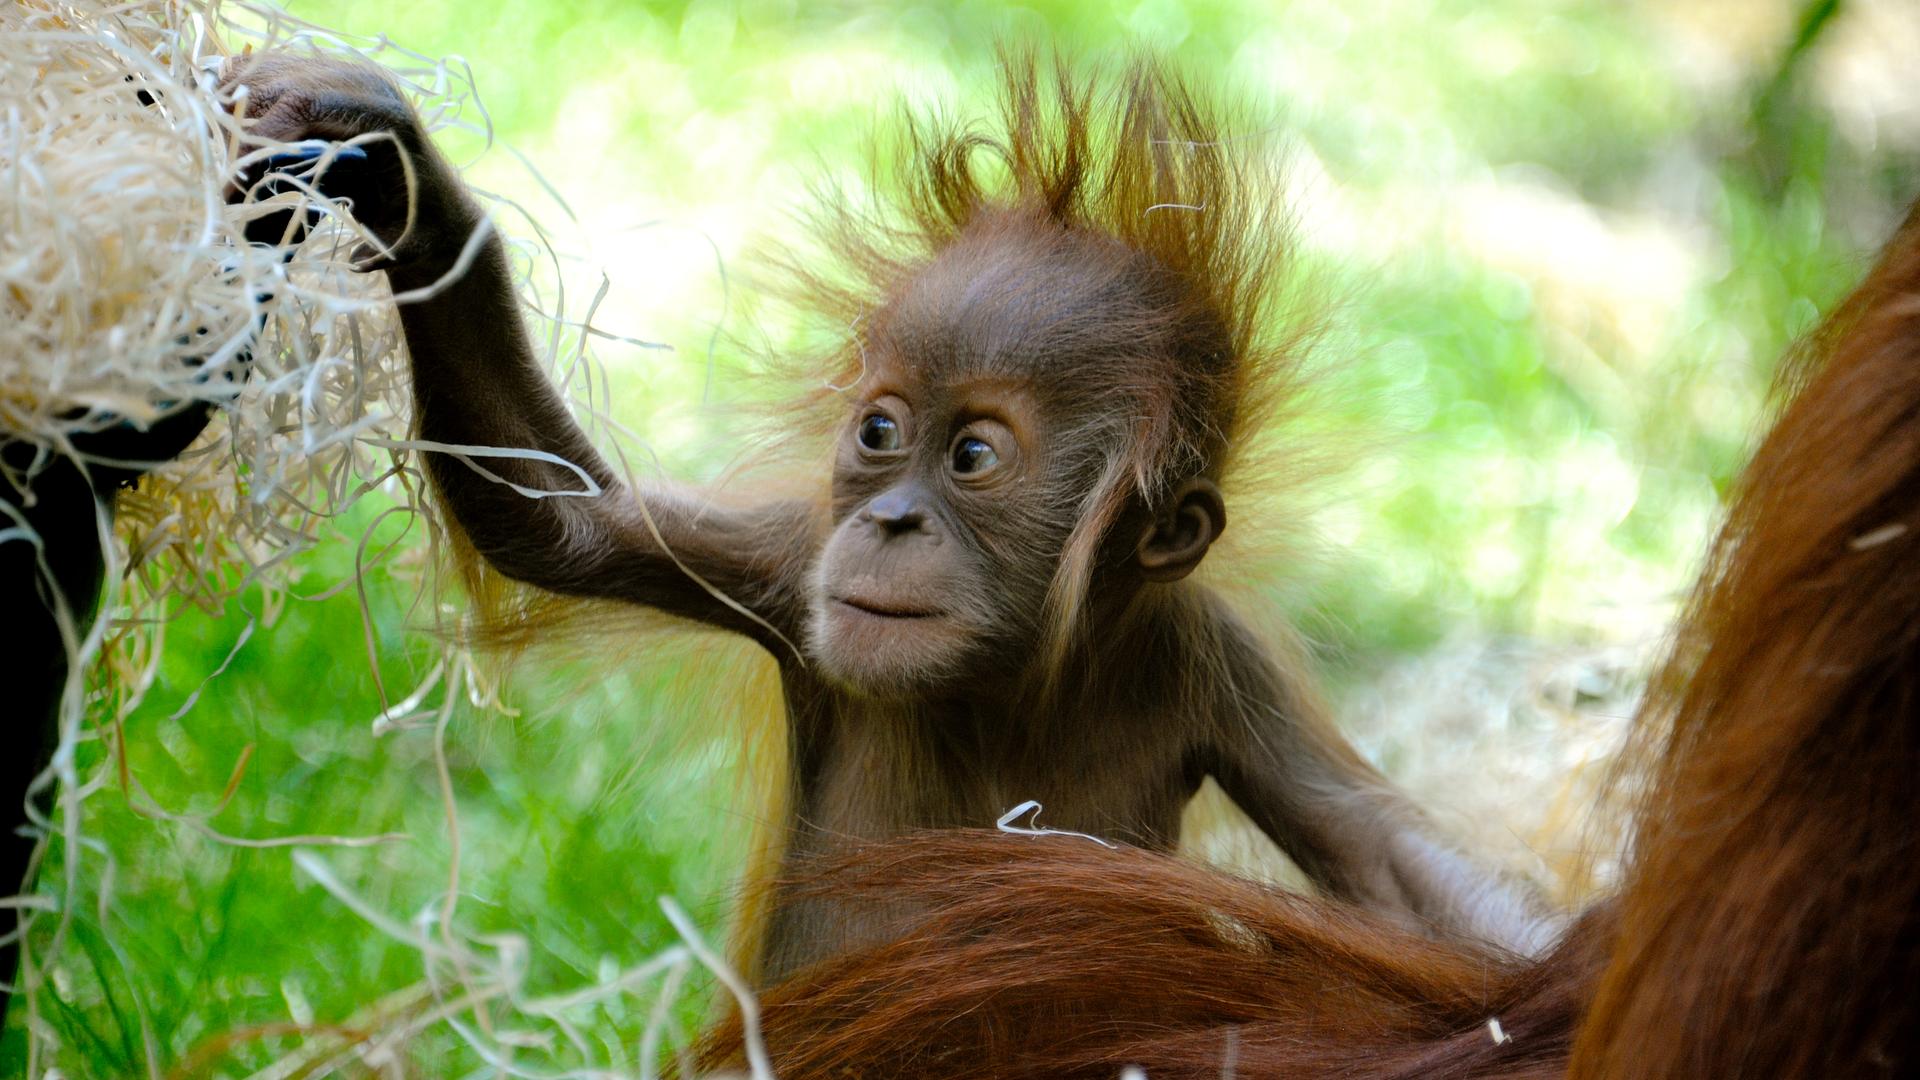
(1132, 160)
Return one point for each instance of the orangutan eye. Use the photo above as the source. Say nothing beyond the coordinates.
(972, 455)
(878, 432)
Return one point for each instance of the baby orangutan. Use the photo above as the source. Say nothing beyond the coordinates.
(990, 601)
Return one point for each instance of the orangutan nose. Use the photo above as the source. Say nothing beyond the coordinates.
(898, 510)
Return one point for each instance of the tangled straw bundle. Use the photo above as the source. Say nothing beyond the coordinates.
(155, 259)
(129, 291)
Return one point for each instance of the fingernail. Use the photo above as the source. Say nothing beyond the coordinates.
(313, 150)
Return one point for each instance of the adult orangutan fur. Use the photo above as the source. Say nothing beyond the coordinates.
(1063, 338)
(1768, 924)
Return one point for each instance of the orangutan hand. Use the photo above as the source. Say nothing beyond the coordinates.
(300, 98)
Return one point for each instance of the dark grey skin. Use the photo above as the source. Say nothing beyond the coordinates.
(903, 609)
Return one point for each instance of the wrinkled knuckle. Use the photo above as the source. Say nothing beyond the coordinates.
(350, 114)
(315, 88)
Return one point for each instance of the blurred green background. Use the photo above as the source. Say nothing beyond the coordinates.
(1571, 239)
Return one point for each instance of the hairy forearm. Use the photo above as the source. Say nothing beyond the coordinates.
(1358, 836)
(477, 383)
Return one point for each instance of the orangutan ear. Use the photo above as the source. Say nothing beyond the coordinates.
(1179, 538)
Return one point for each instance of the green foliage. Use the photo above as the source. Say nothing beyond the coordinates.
(574, 818)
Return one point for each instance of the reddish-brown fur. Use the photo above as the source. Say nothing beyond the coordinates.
(1767, 924)
(1052, 957)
